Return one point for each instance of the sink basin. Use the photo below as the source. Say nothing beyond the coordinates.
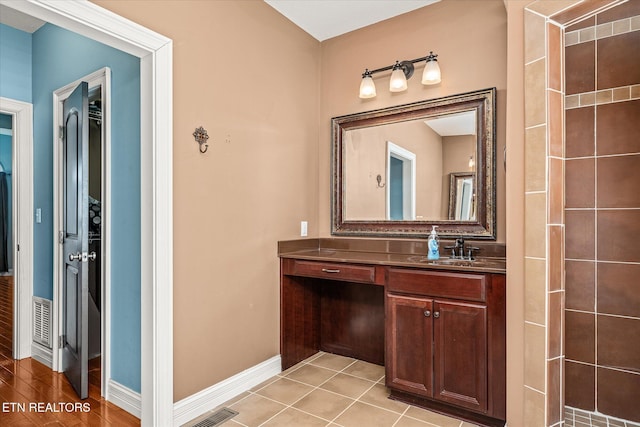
(452, 261)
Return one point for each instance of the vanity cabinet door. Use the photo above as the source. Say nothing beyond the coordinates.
(409, 360)
(460, 359)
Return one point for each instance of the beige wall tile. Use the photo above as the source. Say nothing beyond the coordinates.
(571, 101)
(621, 94)
(535, 100)
(535, 225)
(535, 158)
(534, 356)
(535, 290)
(534, 403)
(534, 36)
(587, 99)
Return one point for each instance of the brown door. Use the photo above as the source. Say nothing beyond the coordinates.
(460, 359)
(409, 344)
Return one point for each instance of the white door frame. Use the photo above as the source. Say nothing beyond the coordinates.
(22, 172)
(155, 52)
(408, 159)
(100, 78)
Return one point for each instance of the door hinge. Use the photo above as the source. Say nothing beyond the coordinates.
(61, 132)
(60, 236)
(18, 247)
(60, 341)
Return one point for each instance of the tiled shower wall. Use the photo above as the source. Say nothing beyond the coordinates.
(602, 213)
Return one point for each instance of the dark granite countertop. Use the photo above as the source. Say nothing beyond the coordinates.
(390, 252)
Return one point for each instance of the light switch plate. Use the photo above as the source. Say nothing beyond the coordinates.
(303, 228)
(38, 216)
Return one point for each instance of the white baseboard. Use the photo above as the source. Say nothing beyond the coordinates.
(124, 398)
(42, 354)
(208, 399)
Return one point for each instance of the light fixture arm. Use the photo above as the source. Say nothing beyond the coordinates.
(407, 66)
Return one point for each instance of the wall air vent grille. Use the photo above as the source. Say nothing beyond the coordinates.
(42, 321)
(217, 418)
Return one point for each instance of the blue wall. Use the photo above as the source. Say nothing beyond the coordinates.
(60, 57)
(15, 64)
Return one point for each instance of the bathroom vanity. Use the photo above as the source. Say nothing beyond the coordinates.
(438, 327)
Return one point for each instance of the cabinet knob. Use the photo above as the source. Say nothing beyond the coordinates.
(427, 313)
(436, 314)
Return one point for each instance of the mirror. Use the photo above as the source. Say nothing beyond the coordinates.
(399, 170)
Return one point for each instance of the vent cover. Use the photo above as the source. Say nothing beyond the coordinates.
(42, 321)
(217, 418)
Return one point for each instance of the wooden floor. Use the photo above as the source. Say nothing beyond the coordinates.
(31, 394)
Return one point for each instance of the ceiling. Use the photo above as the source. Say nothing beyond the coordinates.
(324, 19)
(19, 20)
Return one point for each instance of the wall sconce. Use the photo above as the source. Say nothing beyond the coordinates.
(400, 72)
(472, 163)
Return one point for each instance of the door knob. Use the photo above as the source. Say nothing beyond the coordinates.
(427, 313)
(76, 257)
(92, 256)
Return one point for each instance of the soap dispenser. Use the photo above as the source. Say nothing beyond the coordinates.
(433, 244)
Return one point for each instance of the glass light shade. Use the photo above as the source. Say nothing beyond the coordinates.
(398, 81)
(367, 87)
(472, 163)
(431, 73)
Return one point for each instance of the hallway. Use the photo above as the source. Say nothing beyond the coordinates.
(31, 394)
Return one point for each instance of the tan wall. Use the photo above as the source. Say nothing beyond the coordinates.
(366, 157)
(469, 37)
(250, 77)
(270, 148)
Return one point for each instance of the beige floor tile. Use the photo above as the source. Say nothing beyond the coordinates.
(323, 404)
(254, 410)
(332, 361)
(312, 375)
(347, 385)
(432, 417)
(230, 402)
(361, 414)
(263, 384)
(411, 422)
(285, 391)
(293, 417)
(379, 396)
(366, 370)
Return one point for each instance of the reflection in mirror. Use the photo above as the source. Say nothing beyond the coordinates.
(462, 191)
(399, 170)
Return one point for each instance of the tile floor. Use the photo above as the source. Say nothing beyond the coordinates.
(329, 390)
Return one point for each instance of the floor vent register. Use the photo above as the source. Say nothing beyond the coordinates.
(217, 418)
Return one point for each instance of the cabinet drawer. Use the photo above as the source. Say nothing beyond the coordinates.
(334, 271)
(466, 286)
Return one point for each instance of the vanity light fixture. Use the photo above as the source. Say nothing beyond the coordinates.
(400, 72)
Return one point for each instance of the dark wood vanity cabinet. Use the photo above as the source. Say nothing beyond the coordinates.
(439, 333)
(445, 342)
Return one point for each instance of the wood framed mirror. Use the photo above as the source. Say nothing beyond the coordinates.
(393, 169)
